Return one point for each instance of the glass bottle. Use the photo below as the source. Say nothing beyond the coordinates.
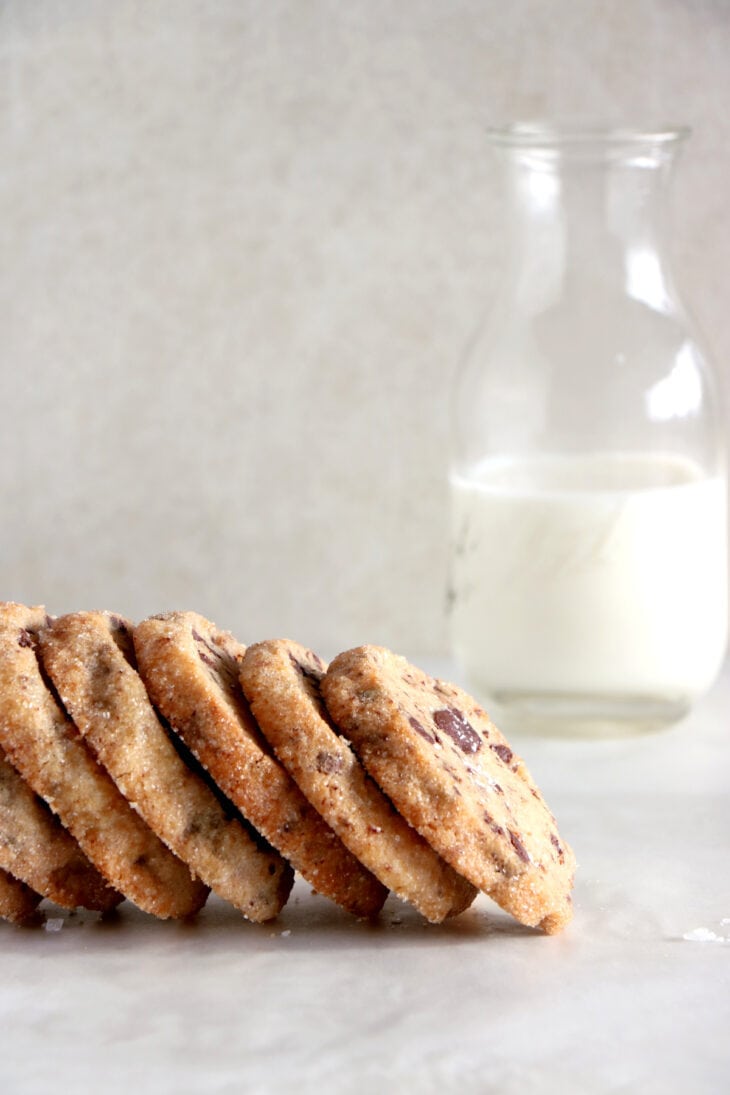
(589, 577)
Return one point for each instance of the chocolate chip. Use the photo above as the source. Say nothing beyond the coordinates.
(453, 723)
(313, 675)
(556, 844)
(493, 824)
(518, 846)
(417, 726)
(328, 762)
(503, 752)
(25, 639)
(207, 659)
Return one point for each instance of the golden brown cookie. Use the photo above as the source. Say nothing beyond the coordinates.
(17, 901)
(89, 657)
(281, 682)
(45, 747)
(191, 672)
(35, 848)
(453, 776)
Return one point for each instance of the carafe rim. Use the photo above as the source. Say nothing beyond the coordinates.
(562, 137)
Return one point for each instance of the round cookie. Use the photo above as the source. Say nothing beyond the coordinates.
(453, 776)
(89, 657)
(17, 901)
(45, 747)
(37, 850)
(281, 682)
(191, 672)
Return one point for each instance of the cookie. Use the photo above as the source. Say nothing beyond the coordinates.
(453, 776)
(46, 749)
(35, 848)
(17, 901)
(191, 672)
(281, 681)
(89, 657)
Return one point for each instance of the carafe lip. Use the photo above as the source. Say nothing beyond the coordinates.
(567, 137)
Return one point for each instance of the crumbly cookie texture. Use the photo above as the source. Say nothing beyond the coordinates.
(191, 669)
(45, 747)
(453, 776)
(281, 680)
(89, 657)
(36, 849)
(18, 902)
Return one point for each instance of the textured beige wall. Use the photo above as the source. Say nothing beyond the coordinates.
(242, 245)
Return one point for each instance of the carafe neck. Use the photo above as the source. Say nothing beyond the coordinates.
(588, 208)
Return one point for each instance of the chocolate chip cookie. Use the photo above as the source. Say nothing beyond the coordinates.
(191, 672)
(89, 657)
(453, 776)
(17, 901)
(36, 849)
(281, 681)
(45, 747)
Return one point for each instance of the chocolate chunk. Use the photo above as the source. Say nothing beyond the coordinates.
(420, 729)
(328, 762)
(25, 638)
(493, 824)
(519, 847)
(453, 723)
(556, 844)
(503, 752)
(313, 675)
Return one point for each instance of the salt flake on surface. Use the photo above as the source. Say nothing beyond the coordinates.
(54, 924)
(704, 935)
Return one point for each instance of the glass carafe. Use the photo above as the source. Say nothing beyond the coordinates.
(589, 573)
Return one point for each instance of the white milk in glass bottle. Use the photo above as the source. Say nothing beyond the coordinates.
(589, 575)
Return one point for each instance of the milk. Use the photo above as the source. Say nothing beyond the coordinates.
(601, 575)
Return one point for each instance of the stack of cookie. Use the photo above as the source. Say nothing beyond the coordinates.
(162, 761)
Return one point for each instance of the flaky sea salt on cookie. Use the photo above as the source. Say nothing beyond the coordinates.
(281, 681)
(453, 776)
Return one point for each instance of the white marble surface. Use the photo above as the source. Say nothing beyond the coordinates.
(623, 1001)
